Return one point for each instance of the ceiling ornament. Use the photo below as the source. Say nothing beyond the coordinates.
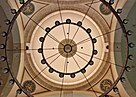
(104, 9)
(29, 9)
(29, 86)
(105, 84)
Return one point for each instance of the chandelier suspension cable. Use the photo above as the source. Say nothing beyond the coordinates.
(98, 59)
(85, 76)
(50, 35)
(61, 18)
(65, 70)
(83, 19)
(88, 39)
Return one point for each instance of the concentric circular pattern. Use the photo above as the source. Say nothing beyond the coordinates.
(29, 9)
(67, 48)
(62, 74)
(104, 9)
(29, 86)
(105, 84)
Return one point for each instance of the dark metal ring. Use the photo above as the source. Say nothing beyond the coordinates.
(48, 30)
(104, 2)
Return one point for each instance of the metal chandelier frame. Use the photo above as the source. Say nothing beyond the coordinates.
(108, 4)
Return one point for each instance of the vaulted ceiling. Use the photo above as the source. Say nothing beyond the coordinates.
(45, 63)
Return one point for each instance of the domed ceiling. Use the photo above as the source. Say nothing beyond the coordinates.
(68, 48)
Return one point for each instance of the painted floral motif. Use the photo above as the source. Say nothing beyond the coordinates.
(104, 9)
(29, 9)
(29, 86)
(105, 84)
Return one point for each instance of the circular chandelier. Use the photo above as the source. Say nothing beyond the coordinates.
(67, 48)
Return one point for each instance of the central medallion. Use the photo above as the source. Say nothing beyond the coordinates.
(67, 48)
